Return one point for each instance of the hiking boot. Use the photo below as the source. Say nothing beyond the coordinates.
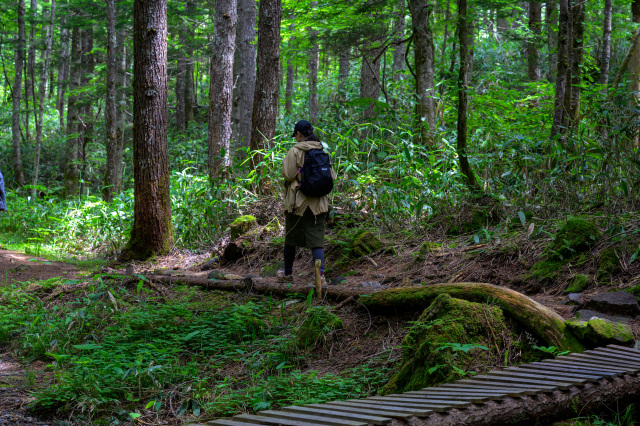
(282, 278)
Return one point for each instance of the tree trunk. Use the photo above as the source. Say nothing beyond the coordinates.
(314, 53)
(535, 27)
(63, 69)
(557, 128)
(265, 104)
(370, 78)
(221, 88)
(634, 63)
(44, 78)
(16, 97)
(29, 80)
(606, 42)
(424, 60)
(577, 36)
(110, 107)
(344, 64)
(73, 109)
(464, 24)
(288, 92)
(551, 20)
(189, 89)
(86, 101)
(122, 107)
(399, 64)
(244, 73)
(181, 73)
(152, 232)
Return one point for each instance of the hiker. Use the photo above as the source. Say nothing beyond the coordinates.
(3, 200)
(305, 215)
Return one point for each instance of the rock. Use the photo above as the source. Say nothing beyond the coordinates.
(338, 280)
(608, 264)
(216, 275)
(614, 303)
(242, 225)
(578, 284)
(365, 243)
(600, 332)
(574, 237)
(371, 284)
(272, 269)
(319, 322)
(575, 299)
(208, 265)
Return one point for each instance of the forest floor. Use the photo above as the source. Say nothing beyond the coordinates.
(503, 260)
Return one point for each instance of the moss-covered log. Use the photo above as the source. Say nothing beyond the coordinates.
(529, 314)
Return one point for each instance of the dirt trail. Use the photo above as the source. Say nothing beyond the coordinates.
(16, 266)
(14, 380)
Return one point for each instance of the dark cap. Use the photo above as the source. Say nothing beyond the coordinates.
(304, 127)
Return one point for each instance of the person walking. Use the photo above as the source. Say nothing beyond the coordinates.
(305, 215)
(3, 200)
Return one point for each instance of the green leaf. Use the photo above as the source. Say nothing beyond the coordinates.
(149, 404)
(523, 218)
(134, 415)
(634, 256)
(88, 346)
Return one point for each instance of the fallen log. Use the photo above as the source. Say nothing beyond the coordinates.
(529, 314)
(544, 408)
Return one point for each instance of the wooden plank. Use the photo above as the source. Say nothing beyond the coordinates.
(308, 418)
(326, 411)
(358, 410)
(382, 411)
(384, 405)
(512, 391)
(476, 398)
(492, 379)
(609, 361)
(629, 355)
(579, 369)
(598, 363)
(226, 422)
(586, 364)
(540, 376)
(624, 348)
(419, 402)
(593, 377)
(614, 355)
(266, 420)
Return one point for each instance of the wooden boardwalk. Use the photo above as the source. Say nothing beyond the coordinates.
(569, 372)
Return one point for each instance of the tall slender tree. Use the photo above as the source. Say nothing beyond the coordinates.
(463, 97)
(559, 114)
(399, 62)
(577, 55)
(533, 51)
(606, 42)
(370, 77)
(267, 92)
(244, 71)
(221, 88)
(152, 232)
(71, 171)
(63, 68)
(16, 96)
(313, 65)
(110, 111)
(344, 65)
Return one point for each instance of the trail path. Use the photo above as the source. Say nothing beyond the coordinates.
(16, 266)
(14, 380)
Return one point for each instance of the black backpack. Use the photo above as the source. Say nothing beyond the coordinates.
(317, 180)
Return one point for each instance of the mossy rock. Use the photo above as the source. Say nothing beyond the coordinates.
(272, 269)
(601, 332)
(634, 290)
(608, 264)
(477, 213)
(578, 284)
(365, 243)
(538, 320)
(425, 248)
(545, 270)
(447, 336)
(242, 225)
(576, 236)
(319, 322)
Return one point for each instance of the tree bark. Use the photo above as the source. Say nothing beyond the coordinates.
(73, 109)
(122, 107)
(625, 62)
(267, 92)
(314, 53)
(558, 126)
(535, 27)
(399, 24)
(152, 232)
(244, 73)
(344, 63)
(181, 73)
(42, 91)
(288, 92)
(463, 88)
(86, 101)
(29, 80)
(551, 22)
(577, 41)
(189, 89)
(221, 88)
(370, 78)
(606, 43)
(63, 69)
(110, 107)
(16, 97)
(424, 60)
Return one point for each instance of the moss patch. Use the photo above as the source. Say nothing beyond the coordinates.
(242, 225)
(578, 284)
(600, 332)
(574, 237)
(608, 264)
(440, 346)
(319, 321)
(478, 213)
(365, 243)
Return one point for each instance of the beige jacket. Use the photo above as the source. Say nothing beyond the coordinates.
(294, 200)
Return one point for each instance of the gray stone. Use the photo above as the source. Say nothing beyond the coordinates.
(371, 284)
(575, 299)
(338, 280)
(210, 264)
(614, 303)
(272, 269)
(216, 275)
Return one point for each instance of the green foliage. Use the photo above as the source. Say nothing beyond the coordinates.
(242, 225)
(608, 264)
(578, 284)
(318, 322)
